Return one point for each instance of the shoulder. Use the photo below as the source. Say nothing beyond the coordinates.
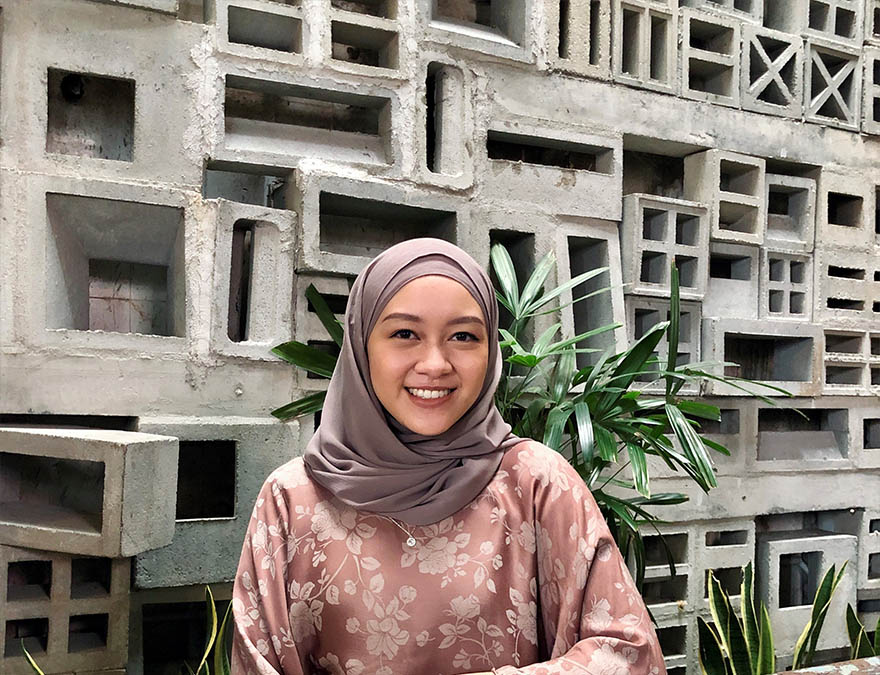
(288, 484)
(534, 464)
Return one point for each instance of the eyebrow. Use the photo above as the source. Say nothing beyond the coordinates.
(417, 319)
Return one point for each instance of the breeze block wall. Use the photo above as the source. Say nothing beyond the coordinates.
(175, 173)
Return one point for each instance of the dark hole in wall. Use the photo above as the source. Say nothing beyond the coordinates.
(843, 343)
(687, 229)
(29, 580)
(845, 303)
(267, 30)
(871, 433)
(874, 526)
(129, 297)
(206, 479)
(336, 303)
(844, 209)
(656, 553)
(798, 578)
(431, 117)
(548, 152)
(710, 37)
(673, 640)
(818, 15)
(116, 422)
(90, 577)
(585, 254)
(868, 606)
(521, 248)
(383, 8)
(564, 18)
(723, 266)
(466, 11)
(653, 174)
(240, 277)
(727, 538)
(727, 425)
(90, 115)
(245, 184)
(595, 32)
(730, 579)
(810, 434)
(659, 36)
(782, 359)
(738, 178)
(33, 632)
(710, 77)
(631, 48)
(844, 22)
(365, 45)
(87, 632)
(669, 589)
(874, 566)
(174, 633)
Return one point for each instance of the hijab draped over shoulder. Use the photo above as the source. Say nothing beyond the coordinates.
(365, 457)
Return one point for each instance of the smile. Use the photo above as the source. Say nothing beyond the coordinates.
(429, 394)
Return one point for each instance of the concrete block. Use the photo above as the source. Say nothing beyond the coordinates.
(584, 244)
(673, 635)
(733, 186)
(832, 84)
(71, 611)
(166, 6)
(786, 285)
(838, 20)
(723, 547)
(846, 283)
(786, 16)
(733, 286)
(845, 210)
(872, 22)
(866, 434)
(869, 550)
(791, 212)
(785, 354)
(847, 354)
(345, 223)
(645, 44)
(772, 71)
(364, 44)
(667, 596)
(259, 29)
(579, 36)
(576, 170)
(710, 57)
(86, 491)
(871, 102)
(499, 30)
(237, 453)
(789, 567)
(745, 10)
(253, 279)
(657, 232)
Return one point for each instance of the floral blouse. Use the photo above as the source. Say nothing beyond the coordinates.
(524, 579)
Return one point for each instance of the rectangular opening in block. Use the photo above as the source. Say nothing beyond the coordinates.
(521, 248)
(871, 439)
(844, 210)
(687, 229)
(649, 173)
(673, 640)
(818, 15)
(727, 425)
(115, 266)
(786, 434)
(730, 579)
(796, 271)
(564, 48)
(875, 25)
(174, 632)
(661, 549)
(444, 113)
(737, 217)
(33, 633)
(844, 343)
(796, 303)
(585, 254)
(87, 632)
(727, 538)
(63, 494)
(631, 21)
(687, 271)
(875, 376)
(654, 222)
(776, 301)
(846, 272)
(875, 345)
(90, 116)
(710, 77)
(799, 578)
(844, 22)
(841, 375)
(710, 37)
(504, 18)
(246, 185)
(117, 422)
(206, 479)
(848, 304)
(268, 30)
(769, 358)
(366, 45)
(595, 31)
(653, 268)
(658, 45)
(776, 269)
(252, 241)
(668, 589)
(29, 580)
(787, 212)
(365, 227)
(874, 526)
(549, 152)
(90, 577)
(678, 670)
(722, 266)
(740, 178)
(874, 566)
(382, 8)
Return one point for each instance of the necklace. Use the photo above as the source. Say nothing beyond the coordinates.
(411, 540)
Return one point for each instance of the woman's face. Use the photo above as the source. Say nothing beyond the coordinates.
(428, 354)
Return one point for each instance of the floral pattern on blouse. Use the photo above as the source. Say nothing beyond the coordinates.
(525, 580)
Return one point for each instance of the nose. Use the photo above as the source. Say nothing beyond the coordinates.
(433, 361)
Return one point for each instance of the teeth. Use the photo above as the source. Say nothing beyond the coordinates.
(430, 393)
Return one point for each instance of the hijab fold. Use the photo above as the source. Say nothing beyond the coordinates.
(364, 456)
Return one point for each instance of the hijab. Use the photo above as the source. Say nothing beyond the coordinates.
(364, 456)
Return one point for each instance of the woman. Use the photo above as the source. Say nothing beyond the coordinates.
(416, 535)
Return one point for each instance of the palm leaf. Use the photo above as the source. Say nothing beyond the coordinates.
(506, 275)
(307, 405)
(327, 318)
(306, 357)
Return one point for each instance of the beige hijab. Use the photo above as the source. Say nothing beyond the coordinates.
(365, 457)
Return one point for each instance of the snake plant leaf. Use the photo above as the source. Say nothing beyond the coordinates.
(307, 405)
(211, 631)
(306, 357)
(750, 620)
(506, 275)
(766, 653)
(712, 661)
(860, 646)
(729, 629)
(806, 645)
(325, 316)
(877, 639)
(221, 649)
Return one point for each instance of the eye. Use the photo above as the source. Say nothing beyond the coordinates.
(403, 333)
(464, 336)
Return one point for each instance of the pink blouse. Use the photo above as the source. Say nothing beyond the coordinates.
(524, 579)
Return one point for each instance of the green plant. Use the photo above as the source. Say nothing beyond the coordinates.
(860, 645)
(597, 416)
(743, 645)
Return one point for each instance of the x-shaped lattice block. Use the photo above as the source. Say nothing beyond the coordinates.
(773, 70)
(843, 108)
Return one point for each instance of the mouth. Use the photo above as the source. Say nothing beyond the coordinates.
(429, 395)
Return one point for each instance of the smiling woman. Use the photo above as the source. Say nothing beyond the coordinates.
(416, 534)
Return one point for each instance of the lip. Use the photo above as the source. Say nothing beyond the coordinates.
(430, 402)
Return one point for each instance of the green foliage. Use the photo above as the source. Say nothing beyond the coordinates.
(743, 645)
(860, 645)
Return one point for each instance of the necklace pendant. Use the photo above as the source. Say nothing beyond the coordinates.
(411, 541)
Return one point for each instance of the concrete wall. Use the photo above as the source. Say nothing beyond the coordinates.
(175, 173)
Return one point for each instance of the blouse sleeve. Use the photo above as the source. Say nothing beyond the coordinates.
(262, 642)
(594, 620)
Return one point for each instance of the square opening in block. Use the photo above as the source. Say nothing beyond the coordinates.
(843, 343)
(730, 579)
(34, 633)
(29, 580)
(278, 32)
(644, 320)
(668, 589)
(173, 633)
(844, 22)
(727, 538)
(115, 266)
(90, 116)
(87, 632)
(809, 434)
(366, 45)
(710, 77)
(506, 18)
(788, 213)
(710, 37)
(744, 179)
(246, 185)
(844, 210)
(653, 268)
(687, 270)
(673, 640)
(722, 266)
(736, 217)
(799, 578)
(509, 147)
(818, 16)
(654, 222)
(726, 426)
(383, 8)
(687, 229)
(874, 526)
(365, 227)
(768, 358)
(585, 254)
(206, 479)
(90, 577)
(661, 549)
(47, 492)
